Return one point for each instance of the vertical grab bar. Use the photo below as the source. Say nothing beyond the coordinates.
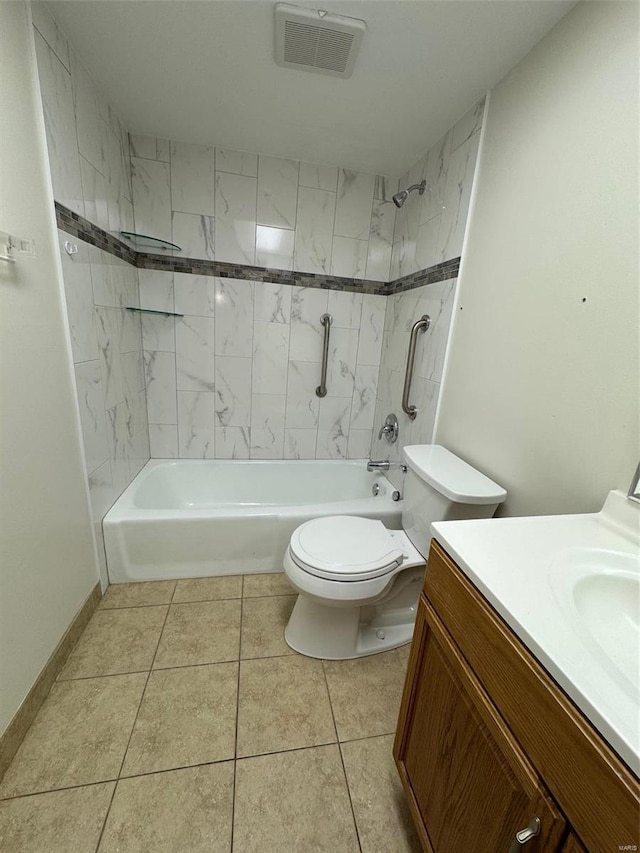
(420, 325)
(326, 321)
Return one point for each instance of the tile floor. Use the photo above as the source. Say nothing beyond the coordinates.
(183, 722)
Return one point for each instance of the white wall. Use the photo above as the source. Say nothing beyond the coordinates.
(541, 387)
(47, 561)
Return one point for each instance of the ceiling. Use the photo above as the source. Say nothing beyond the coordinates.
(204, 72)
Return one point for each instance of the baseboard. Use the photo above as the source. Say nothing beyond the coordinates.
(14, 734)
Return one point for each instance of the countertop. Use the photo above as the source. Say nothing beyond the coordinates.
(523, 567)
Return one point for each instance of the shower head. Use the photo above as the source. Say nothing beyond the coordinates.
(400, 197)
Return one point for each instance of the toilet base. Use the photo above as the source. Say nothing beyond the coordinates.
(341, 633)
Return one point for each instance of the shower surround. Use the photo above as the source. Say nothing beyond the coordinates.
(235, 376)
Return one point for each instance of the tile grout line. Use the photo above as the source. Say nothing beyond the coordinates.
(344, 769)
(44, 791)
(124, 755)
(235, 742)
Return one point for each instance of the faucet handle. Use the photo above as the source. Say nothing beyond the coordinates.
(389, 428)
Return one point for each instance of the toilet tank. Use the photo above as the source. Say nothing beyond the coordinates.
(439, 486)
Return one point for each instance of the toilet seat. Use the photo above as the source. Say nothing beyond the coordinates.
(345, 548)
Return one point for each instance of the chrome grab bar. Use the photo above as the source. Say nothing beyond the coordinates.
(420, 325)
(326, 321)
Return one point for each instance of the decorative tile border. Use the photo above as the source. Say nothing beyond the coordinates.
(74, 224)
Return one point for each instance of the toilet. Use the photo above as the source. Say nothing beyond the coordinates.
(358, 583)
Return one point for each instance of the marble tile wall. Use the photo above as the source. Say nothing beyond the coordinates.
(106, 343)
(242, 208)
(429, 228)
(87, 143)
(235, 377)
(88, 149)
(403, 309)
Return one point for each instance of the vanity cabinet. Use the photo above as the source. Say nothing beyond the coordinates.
(487, 741)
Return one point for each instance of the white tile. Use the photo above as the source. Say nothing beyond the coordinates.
(274, 247)
(349, 257)
(270, 358)
(234, 317)
(300, 443)
(158, 332)
(345, 308)
(437, 302)
(194, 294)
(272, 302)
(235, 223)
(436, 176)
(363, 403)
(318, 177)
(232, 391)
(343, 351)
(60, 126)
(427, 245)
(195, 425)
(194, 234)
(192, 179)
(194, 353)
(267, 426)
(458, 195)
(302, 401)
(94, 192)
(359, 444)
(85, 103)
(314, 230)
(156, 290)
(143, 146)
(163, 150)
(160, 373)
(91, 406)
(353, 206)
(115, 173)
(333, 428)
(109, 333)
(232, 442)
(469, 124)
(151, 197)
(163, 441)
(385, 188)
(76, 272)
(383, 217)
(236, 162)
(48, 28)
(277, 192)
(308, 304)
(371, 328)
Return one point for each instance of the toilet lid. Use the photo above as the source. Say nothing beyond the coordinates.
(345, 547)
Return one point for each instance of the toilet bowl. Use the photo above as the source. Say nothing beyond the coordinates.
(358, 583)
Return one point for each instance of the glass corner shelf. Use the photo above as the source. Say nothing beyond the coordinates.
(144, 241)
(153, 311)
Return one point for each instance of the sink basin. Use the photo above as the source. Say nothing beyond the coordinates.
(604, 595)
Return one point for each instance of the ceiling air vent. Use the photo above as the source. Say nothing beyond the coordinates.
(314, 40)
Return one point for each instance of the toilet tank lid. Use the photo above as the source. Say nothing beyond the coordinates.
(451, 476)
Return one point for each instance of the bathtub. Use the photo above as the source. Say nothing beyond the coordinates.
(194, 518)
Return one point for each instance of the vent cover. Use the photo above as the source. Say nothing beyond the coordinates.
(313, 40)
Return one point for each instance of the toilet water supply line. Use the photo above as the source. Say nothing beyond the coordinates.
(326, 320)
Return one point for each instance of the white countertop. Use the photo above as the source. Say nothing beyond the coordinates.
(523, 568)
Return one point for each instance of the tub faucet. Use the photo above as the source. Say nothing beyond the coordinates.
(384, 465)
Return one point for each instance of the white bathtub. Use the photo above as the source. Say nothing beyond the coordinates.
(193, 518)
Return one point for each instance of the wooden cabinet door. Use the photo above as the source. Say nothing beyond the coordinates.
(572, 845)
(470, 786)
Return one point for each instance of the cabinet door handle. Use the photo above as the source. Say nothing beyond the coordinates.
(525, 835)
